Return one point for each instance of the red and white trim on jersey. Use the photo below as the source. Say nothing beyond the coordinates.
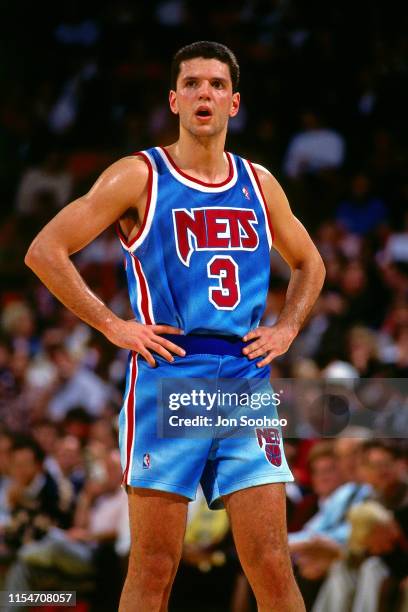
(260, 195)
(130, 419)
(137, 240)
(194, 183)
(144, 300)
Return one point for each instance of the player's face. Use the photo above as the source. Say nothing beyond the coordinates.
(203, 98)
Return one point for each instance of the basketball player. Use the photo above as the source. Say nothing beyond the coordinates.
(196, 225)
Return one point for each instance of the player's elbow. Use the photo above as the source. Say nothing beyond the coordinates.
(36, 255)
(319, 267)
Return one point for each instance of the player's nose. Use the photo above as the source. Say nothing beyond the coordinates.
(204, 90)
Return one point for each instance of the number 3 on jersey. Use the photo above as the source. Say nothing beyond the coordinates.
(226, 295)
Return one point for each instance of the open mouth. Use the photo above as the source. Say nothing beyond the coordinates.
(203, 112)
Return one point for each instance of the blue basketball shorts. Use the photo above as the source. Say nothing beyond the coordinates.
(178, 465)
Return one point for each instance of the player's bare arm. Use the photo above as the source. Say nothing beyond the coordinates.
(307, 275)
(120, 188)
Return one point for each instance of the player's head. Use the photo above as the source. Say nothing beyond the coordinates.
(206, 50)
(204, 82)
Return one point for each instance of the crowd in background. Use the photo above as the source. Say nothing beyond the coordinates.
(324, 94)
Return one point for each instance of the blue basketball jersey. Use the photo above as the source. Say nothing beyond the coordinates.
(200, 260)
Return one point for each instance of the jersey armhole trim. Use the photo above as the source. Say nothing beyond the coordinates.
(261, 196)
(132, 244)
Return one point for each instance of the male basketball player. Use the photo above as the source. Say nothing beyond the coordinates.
(196, 225)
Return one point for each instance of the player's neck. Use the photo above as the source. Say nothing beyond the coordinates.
(202, 158)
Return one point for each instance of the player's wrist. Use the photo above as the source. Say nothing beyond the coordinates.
(288, 328)
(110, 326)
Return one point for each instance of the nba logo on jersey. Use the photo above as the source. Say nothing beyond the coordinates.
(246, 193)
(146, 461)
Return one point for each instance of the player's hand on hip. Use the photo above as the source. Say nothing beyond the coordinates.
(269, 342)
(145, 338)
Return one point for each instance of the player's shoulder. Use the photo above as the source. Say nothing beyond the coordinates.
(131, 169)
(135, 164)
(265, 177)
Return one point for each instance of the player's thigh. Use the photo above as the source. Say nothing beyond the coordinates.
(157, 524)
(258, 522)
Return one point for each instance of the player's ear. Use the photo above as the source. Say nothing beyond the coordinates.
(236, 98)
(173, 101)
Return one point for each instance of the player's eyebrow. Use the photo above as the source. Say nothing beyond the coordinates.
(197, 77)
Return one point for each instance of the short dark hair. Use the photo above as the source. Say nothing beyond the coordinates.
(207, 50)
(22, 442)
(388, 446)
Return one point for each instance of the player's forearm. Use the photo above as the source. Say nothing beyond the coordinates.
(55, 269)
(304, 288)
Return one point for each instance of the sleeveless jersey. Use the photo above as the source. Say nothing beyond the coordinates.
(200, 260)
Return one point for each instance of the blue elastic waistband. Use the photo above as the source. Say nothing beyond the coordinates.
(208, 345)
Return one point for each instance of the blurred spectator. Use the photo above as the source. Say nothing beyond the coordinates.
(6, 443)
(76, 384)
(378, 543)
(319, 543)
(363, 350)
(396, 249)
(361, 212)
(101, 511)
(31, 497)
(314, 148)
(52, 178)
(383, 468)
(330, 521)
(19, 324)
(69, 463)
(325, 478)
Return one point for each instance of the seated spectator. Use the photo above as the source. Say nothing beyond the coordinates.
(314, 148)
(69, 462)
(6, 443)
(31, 497)
(382, 468)
(322, 538)
(76, 384)
(325, 478)
(354, 583)
(64, 462)
(46, 434)
(361, 212)
(378, 543)
(330, 521)
(363, 350)
(51, 176)
(396, 249)
(100, 515)
(103, 433)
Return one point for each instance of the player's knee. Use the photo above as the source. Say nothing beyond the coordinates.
(154, 571)
(274, 564)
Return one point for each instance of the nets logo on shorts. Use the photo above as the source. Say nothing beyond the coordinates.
(146, 461)
(268, 440)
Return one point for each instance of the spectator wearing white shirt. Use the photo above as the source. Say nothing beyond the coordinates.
(314, 148)
(51, 177)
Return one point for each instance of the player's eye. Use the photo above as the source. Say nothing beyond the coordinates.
(191, 83)
(217, 84)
